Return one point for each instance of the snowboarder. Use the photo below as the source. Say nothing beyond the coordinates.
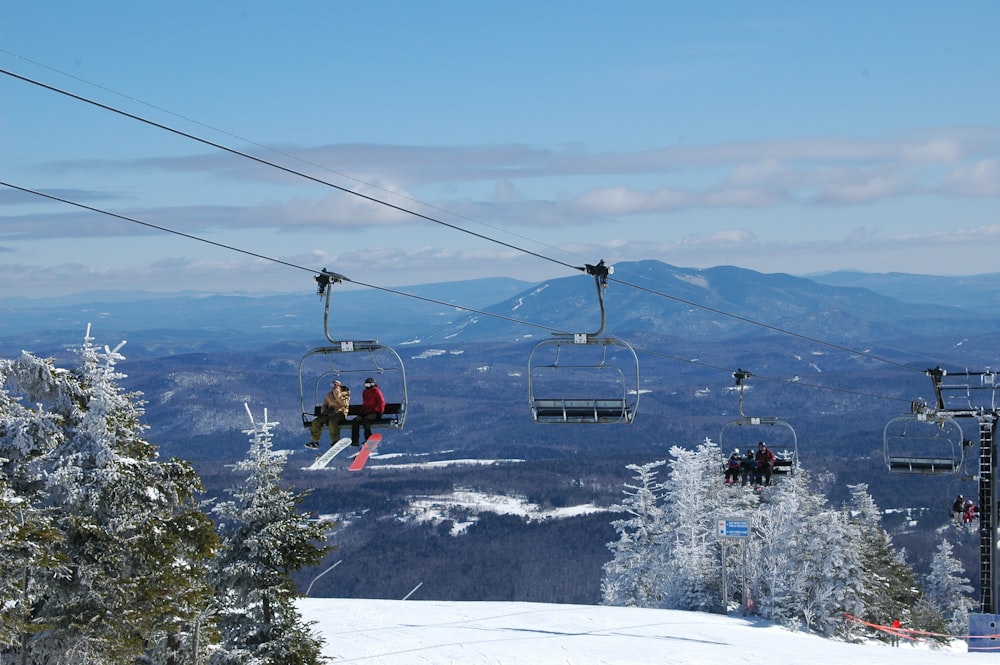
(372, 408)
(332, 413)
(765, 463)
(733, 468)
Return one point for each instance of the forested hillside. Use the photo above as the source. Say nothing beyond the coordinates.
(836, 387)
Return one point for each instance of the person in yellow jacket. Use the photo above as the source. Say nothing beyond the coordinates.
(333, 413)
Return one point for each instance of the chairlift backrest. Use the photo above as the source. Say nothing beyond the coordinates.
(586, 389)
(356, 360)
(352, 364)
(916, 443)
(786, 450)
(592, 386)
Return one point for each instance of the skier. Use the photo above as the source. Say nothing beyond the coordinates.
(765, 463)
(332, 413)
(747, 467)
(733, 468)
(372, 408)
(957, 509)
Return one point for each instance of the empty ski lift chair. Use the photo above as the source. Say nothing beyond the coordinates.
(584, 378)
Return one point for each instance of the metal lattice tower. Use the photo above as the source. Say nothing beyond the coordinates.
(987, 514)
(973, 395)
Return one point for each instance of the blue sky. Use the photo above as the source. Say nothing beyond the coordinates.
(777, 136)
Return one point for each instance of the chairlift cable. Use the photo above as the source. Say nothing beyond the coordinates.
(288, 155)
(264, 257)
(150, 225)
(768, 326)
(286, 169)
(501, 317)
(402, 209)
(792, 382)
(403, 293)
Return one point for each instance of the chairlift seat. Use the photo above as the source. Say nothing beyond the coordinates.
(925, 465)
(391, 417)
(580, 411)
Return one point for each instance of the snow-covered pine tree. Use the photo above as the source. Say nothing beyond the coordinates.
(806, 572)
(129, 529)
(265, 538)
(634, 576)
(30, 548)
(948, 590)
(693, 504)
(890, 587)
(29, 541)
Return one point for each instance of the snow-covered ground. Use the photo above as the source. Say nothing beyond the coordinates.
(470, 503)
(397, 632)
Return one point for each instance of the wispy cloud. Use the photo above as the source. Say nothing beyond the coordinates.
(440, 182)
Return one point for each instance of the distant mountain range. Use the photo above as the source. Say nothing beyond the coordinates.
(642, 297)
(198, 358)
(977, 293)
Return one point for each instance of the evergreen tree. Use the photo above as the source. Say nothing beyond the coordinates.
(265, 538)
(694, 504)
(130, 538)
(806, 563)
(634, 576)
(807, 570)
(890, 587)
(948, 590)
(30, 548)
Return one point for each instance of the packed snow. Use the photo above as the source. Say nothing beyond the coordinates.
(403, 632)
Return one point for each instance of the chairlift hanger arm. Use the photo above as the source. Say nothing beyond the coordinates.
(600, 273)
(324, 281)
(741, 376)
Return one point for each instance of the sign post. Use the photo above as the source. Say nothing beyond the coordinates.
(729, 528)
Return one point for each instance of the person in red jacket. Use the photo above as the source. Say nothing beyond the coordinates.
(372, 408)
(970, 513)
(765, 463)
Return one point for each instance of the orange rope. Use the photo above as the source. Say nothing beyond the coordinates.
(913, 634)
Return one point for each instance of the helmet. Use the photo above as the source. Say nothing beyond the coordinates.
(736, 451)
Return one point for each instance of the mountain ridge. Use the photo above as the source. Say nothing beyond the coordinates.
(723, 302)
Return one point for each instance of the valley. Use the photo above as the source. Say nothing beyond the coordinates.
(402, 522)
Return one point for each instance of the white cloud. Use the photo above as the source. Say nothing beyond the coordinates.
(979, 179)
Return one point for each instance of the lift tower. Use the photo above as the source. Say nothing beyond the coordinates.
(973, 395)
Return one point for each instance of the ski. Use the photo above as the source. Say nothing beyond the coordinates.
(371, 443)
(334, 450)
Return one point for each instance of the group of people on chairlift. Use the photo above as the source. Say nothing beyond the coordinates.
(964, 511)
(334, 412)
(750, 469)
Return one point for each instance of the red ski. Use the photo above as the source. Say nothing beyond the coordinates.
(371, 443)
